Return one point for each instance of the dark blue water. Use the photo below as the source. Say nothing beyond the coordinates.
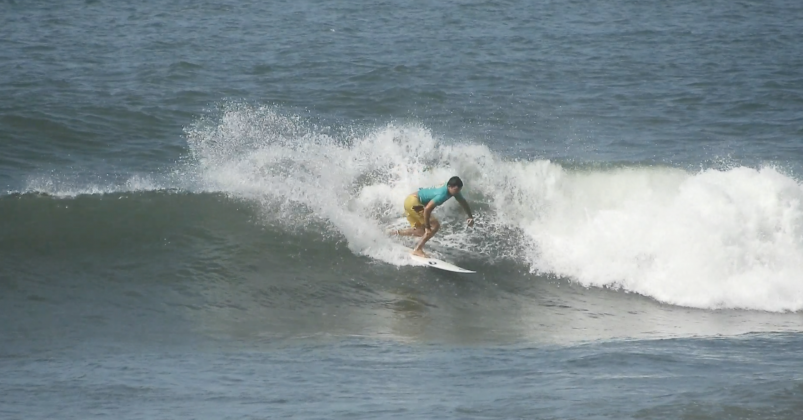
(194, 200)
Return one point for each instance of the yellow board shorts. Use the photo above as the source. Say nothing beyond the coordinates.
(414, 211)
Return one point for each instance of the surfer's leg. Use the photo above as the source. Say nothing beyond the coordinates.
(416, 221)
(413, 231)
(414, 211)
(419, 249)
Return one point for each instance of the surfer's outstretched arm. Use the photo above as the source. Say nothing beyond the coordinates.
(464, 204)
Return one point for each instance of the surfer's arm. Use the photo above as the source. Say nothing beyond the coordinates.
(464, 205)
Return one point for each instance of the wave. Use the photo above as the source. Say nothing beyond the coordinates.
(713, 238)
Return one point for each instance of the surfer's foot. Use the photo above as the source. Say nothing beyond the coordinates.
(419, 253)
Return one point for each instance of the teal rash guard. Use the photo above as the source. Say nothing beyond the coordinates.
(437, 194)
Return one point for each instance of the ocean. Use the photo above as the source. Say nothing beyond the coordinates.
(195, 200)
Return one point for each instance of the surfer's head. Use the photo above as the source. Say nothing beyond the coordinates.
(454, 185)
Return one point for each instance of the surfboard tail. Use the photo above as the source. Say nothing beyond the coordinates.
(440, 264)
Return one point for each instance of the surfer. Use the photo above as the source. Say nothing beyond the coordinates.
(418, 208)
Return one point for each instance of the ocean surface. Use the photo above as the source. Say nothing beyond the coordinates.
(195, 198)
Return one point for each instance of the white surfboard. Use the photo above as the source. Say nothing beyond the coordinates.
(443, 265)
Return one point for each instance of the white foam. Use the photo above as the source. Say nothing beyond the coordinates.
(713, 239)
(66, 186)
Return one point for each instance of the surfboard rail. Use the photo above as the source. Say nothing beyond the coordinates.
(440, 264)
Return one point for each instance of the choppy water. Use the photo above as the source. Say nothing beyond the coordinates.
(195, 197)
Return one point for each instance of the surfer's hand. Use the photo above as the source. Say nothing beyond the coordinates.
(428, 231)
(470, 221)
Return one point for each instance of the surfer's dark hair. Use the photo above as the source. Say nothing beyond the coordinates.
(455, 182)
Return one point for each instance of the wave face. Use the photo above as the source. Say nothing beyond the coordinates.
(714, 239)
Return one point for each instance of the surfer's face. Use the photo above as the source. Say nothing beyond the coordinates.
(453, 190)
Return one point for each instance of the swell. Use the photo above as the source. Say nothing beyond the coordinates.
(138, 225)
(41, 223)
(166, 263)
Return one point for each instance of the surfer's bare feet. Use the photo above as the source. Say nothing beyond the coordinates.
(419, 253)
